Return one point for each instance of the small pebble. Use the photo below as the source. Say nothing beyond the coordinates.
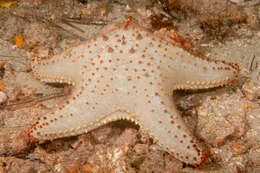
(251, 88)
(141, 149)
(254, 156)
(3, 97)
(237, 1)
(20, 143)
(253, 121)
(128, 137)
(215, 130)
(102, 134)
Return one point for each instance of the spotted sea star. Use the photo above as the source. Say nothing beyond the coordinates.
(128, 73)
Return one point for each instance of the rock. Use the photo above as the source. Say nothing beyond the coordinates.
(11, 26)
(20, 144)
(255, 170)
(173, 165)
(253, 136)
(239, 147)
(154, 161)
(109, 159)
(222, 154)
(31, 3)
(254, 156)
(74, 167)
(220, 117)
(13, 164)
(253, 119)
(102, 134)
(2, 69)
(3, 97)
(3, 141)
(95, 10)
(251, 88)
(140, 149)
(145, 138)
(83, 143)
(37, 35)
(238, 122)
(88, 168)
(258, 33)
(215, 129)
(128, 137)
(237, 1)
(237, 164)
(232, 156)
(59, 168)
(251, 19)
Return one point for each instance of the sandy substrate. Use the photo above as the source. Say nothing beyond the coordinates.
(226, 120)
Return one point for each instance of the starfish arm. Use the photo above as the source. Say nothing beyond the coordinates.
(157, 115)
(192, 72)
(94, 101)
(80, 113)
(183, 70)
(62, 68)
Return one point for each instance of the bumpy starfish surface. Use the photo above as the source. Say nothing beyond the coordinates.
(128, 73)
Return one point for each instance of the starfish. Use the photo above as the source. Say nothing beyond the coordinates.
(128, 73)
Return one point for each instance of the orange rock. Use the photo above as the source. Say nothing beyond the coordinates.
(239, 148)
(2, 86)
(87, 168)
(1, 64)
(84, 11)
(19, 40)
(73, 168)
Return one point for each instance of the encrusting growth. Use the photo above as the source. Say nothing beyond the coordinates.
(128, 73)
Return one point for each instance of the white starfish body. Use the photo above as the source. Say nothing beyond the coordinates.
(130, 74)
